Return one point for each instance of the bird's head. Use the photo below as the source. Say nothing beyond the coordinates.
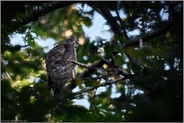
(73, 40)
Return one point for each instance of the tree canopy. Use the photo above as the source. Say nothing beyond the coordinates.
(145, 70)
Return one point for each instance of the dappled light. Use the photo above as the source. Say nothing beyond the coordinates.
(129, 58)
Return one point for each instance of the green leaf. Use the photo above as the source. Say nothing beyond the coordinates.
(29, 39)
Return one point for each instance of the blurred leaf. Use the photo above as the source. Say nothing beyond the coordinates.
(108, 49)
(29, 39)
(87, 21)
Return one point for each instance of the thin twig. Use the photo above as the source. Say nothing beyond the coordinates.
(100, 85)
(121, 23)
(116, 68)
(88, 72)
(83, 65)
(90, 67)
(99, 77)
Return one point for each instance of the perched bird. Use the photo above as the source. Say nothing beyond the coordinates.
(59, 67)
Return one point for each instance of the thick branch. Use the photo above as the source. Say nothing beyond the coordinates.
(44, 10)
(110, 19)
(153, 34)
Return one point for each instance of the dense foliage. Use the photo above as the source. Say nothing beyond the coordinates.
(145, 70)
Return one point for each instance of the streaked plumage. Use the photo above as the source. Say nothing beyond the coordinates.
(59, 68)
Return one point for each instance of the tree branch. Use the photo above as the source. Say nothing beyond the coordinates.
(85, 74)
(93, 68)
(152, 35)
(116, 68)
(117, 30)
(112, 22)
(100, 85)
(122, 25)
(35, 14)
(85, 66)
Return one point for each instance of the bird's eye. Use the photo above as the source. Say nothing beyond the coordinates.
(75, 40)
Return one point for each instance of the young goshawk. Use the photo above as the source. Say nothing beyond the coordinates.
(59, 67)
